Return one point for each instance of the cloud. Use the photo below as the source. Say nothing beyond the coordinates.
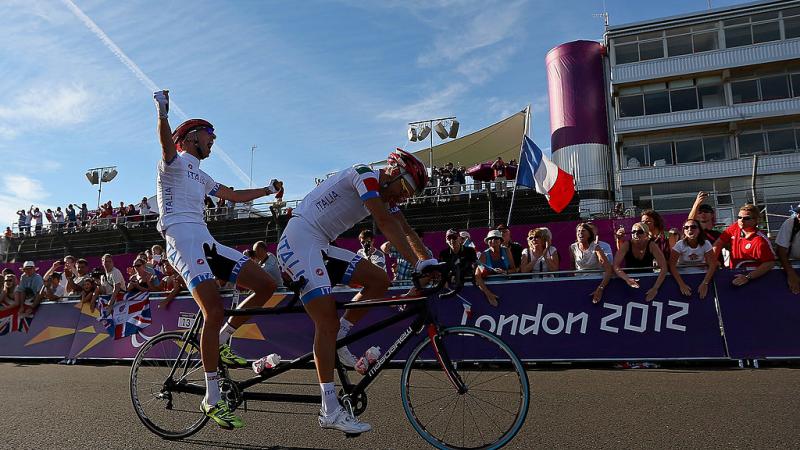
(44, 107)
(20, 192)
(428, 106)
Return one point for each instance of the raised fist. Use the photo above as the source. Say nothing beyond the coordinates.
(162, 103)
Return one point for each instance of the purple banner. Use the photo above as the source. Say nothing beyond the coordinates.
(761, 318)
(49, 334)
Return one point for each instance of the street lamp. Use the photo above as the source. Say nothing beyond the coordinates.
(252, 152)
(100, 175)
(417, 131)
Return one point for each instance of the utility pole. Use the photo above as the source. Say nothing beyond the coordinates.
(252, 152)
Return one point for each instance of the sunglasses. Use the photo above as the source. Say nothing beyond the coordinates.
(637, 231)
(494, 239)
(409, 190)
(452, 237)
(744, 218)
(690, 227)
(530, 238)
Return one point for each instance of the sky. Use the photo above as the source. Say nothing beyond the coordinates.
(316, 86)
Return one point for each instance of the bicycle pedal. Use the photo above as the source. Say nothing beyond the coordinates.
(352, 435)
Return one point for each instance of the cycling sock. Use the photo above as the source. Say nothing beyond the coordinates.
(330, 403)
(344, 328)
(225, 333)
(212, 388)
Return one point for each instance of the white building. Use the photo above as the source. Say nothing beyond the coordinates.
(694, 97)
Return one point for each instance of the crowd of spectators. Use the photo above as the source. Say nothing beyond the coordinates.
(74, 218)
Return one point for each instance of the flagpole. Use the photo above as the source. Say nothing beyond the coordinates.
(519, 159)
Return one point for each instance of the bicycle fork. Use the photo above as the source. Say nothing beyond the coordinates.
(444, 360)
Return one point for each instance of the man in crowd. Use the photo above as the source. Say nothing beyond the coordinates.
(368, 251)
(29, 287)
(515, 247)
(402, 268)
(112, 282)
(499, 168)
(748, 245)
(458, 255)
(80, 272)
(52, 290)
(268, 262)
(788, 242)
(704, 213)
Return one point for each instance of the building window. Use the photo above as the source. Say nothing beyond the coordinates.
(791, 25)
(661, 153)
(716, 148)
(651, 50)
(689, 151)
(751, 143)
(781, 141)
(745, 91)
(683, 99)
(656, 102)
(796, 84)
(685, 150)
(774, 87)
(631, 106)
(634, 156)
(678, 95)
(764, 88)
(752, 30)
(711, 96)
(627, 53)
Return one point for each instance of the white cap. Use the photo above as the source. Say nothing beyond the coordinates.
(28, 264)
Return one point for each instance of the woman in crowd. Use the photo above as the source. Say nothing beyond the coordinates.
(640, 253)
(7, 292)
(142, 280)
(692, 250)
(588, 255)
(655, 223)
(541, 255)
(89, 293)
(496, 260)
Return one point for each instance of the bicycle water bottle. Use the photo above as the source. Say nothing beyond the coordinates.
(370, 356)
(266, 362)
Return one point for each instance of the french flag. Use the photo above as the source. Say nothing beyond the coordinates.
(538, 172)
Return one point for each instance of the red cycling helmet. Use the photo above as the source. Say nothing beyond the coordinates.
(192, 124)
(411, 166)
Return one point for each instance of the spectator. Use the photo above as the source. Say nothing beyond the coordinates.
(655, 223)
(172, 283)
(466, 240)
(268, 262)
(605, 246)
(747, 245)
(29, 220)
(496, 260)
(75, 285)
(8, 234)
(499, 168)
(368, 251)
(140, 279)
(51, 220)
(59, 216)
(515, 247)
(27, 291)
(210, 207)
(692, 250)
(460, 179)
(144, 209)
(251, 254)
(83, 216)
(540, 255)
(157, 260)
(704, 213)
(89, 291)
(588, 255)
(7, 292)
(52, 290)
(22, 222)
(640, 253)
(58, 265)
(122, 212)
(72, 218)
(37, 221)
(788, 242)
(459, 256)
(403, 269)
(111, 282)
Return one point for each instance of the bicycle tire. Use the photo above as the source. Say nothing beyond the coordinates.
(152, 398)
(423, 378)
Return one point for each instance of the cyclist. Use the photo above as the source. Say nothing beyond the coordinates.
(334, 206)
(195, 254)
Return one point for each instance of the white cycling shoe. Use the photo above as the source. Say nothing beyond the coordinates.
(342, 420)
(345, 357)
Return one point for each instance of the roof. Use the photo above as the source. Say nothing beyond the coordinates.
(702, 16)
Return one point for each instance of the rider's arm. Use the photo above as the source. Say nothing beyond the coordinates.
(245, 195)
(168, 150)
(393, 229)
(416, 243)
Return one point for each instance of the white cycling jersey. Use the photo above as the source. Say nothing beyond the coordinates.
(181, 188)
(337, 203)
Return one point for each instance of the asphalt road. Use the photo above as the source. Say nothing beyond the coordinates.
(54, 406)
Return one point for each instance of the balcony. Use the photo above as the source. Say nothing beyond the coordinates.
(706, 61)
(767, 165)
(697, 117)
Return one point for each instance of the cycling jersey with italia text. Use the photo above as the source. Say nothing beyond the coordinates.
(181, 188)
(337, 203)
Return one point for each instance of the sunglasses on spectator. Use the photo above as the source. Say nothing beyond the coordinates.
(452, 237)
(689, 227)
(530, 238)
(637, 231)
(494, 239)
(744, 217)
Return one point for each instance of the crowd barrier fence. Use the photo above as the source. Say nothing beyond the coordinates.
(546, 319)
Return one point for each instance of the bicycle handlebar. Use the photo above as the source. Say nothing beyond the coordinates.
(446, 275)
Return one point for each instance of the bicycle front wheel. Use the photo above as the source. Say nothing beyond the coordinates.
(167, 386)
(491, 408)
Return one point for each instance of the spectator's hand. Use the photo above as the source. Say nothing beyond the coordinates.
(274, 186)
(162, 103)
(597, 295)
(702, 290)
(685, 289)
(651, 294)
(740, 280)
(131, 271)
(57, 264)
(633, 282)
(620, 233)
(793, 280)
(701, 197)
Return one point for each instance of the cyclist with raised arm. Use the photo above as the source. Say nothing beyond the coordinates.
(334, 206)
(181, 188)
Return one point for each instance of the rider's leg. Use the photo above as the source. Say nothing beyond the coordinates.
(206, 294)
(322, 311)
(254, 278)
(375, 283)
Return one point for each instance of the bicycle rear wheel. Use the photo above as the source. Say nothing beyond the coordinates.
(494, 404)
(169, 405)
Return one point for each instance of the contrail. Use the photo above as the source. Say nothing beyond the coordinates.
(146, 81)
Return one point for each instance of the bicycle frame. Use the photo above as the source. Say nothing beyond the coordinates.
(423, 318)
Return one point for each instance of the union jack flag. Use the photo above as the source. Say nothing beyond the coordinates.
(128, 316)
(10, 321)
